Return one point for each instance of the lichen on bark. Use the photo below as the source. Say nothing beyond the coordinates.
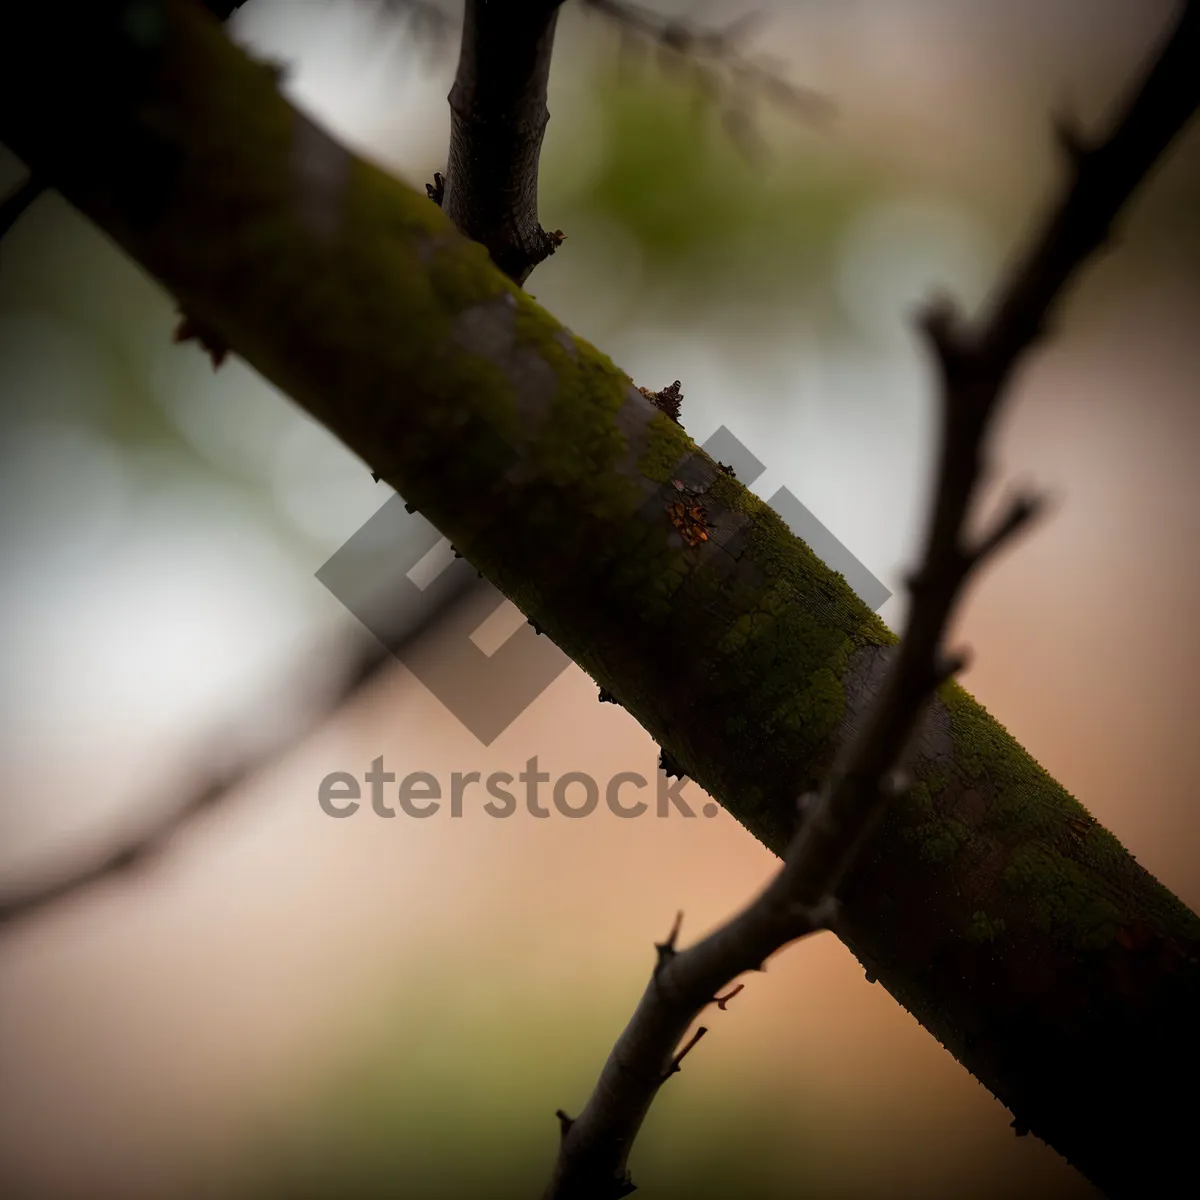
(743, 655)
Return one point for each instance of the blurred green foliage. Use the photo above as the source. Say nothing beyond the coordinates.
(723, 220)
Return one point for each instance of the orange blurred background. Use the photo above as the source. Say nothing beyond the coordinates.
(289, 1005)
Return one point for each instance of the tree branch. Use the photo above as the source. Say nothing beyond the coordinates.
(498, 118)
(723, 72)
(353, 668)
(742, 654)
(594, 1150)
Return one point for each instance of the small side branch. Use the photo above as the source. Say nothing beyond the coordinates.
(725, 75)
(975, 363)
(498, 118)
(211, 789)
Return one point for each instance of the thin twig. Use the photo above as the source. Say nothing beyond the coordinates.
(724, 74)
(358, 664)
(974, 365)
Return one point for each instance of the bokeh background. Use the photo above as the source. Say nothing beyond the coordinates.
(287, 1005)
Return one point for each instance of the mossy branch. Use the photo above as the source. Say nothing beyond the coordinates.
(592, 1162)
(742, 654)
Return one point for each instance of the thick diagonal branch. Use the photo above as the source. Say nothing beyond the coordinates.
(975, 363)
(989, 903)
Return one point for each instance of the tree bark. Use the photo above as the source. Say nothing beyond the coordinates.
(498, 118)
(991, 905)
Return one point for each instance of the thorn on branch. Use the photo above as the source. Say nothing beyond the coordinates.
(674, 1067)
(667, 401)
(551, 241)
(722, 1001)
(536, 627)
(375, 476)
(950, 665)
(1021, 1128)
(410, 508)
(1070, 139)
(1022, 509)
(606, 697)
(190, 328)
(666, 950)
(436, 190)
(942, 323)
(667, 764)
(564, 1122)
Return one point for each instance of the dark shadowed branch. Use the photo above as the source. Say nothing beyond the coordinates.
(716, 59)
(356, 667)
(974, 362)
(499, 113)
(498, 118)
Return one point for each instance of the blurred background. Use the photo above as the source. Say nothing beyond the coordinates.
(287, 1005)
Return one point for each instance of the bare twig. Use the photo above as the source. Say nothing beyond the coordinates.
(974, 362)
(498, 119)
(356, 665)
(427, 20)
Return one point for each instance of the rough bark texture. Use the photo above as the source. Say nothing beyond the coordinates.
(498, 117)
(992, 906)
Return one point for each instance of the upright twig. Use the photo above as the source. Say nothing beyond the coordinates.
(498, 118)
(499, 113)
(974, 364)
